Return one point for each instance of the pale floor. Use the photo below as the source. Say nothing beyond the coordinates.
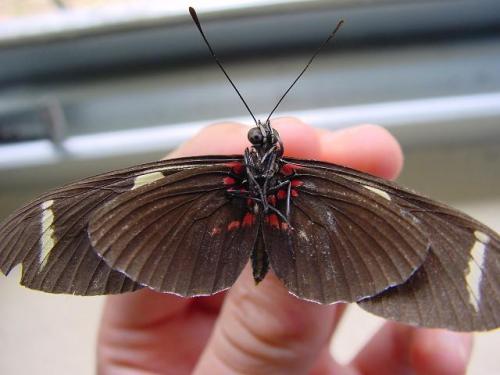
(50, 335)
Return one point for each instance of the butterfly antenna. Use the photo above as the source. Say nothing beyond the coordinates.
(198, 25)
(325, 43)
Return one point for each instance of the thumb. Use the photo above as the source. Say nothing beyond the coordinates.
(264, 330)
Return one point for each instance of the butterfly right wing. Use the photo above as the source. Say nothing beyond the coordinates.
(458, 286)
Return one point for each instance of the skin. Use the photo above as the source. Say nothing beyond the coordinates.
(263, 329)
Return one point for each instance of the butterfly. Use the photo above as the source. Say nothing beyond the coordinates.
(330, 233)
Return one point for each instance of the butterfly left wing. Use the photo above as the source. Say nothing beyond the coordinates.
(49, 238)
(458, 286)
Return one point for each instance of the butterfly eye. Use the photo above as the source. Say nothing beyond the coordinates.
(255, 136)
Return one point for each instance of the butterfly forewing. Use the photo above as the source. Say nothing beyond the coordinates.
(48, 236)
(458, 286)
(347, 242)
(179, 234)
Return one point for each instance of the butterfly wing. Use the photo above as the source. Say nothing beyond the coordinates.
(458, 286)
(49, 238)
(347, 241)
(180, 234)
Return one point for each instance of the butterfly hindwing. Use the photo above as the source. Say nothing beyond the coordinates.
(458, 286)
(346, 241)
(180, 234)
(49, 238)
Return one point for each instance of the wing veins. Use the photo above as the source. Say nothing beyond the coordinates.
(343, 239)
(396, 230)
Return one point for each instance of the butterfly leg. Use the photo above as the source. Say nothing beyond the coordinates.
(288, 184)
(288, 198)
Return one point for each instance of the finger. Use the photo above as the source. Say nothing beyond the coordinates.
(387, 351)
(399, 349)
(368, 148)
(262, 329)
(142, 308)
(440, 352)
(209, 304)
(300, 140)
(217, 139)
(325, 363)
(148, 332)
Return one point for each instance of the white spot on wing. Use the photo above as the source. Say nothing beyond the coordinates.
(382, 193)
(480, 236)
(475, 273)
(146, 179)
(330, 219)
(47, 241)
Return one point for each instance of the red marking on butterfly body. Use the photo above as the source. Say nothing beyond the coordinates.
(281, 194)
(236, 166)
(294, 193)
(296, 183)
(271, 199)
(248, 220)
(288, 169)
(233, 225)
(228, 181)
(273, 221)
(284, 226)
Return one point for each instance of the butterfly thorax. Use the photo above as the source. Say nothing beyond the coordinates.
(264, 179)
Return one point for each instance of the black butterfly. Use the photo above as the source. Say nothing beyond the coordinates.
(188, 226)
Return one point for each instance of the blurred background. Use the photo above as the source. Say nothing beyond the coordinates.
(91, 85)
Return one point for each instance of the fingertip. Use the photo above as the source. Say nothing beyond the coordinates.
(368, 148)
(300, 140)
(440, 352)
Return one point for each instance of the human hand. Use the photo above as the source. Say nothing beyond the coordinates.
(263, 329)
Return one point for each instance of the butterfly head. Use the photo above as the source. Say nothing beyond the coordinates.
(255, 137)
(263, 138)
